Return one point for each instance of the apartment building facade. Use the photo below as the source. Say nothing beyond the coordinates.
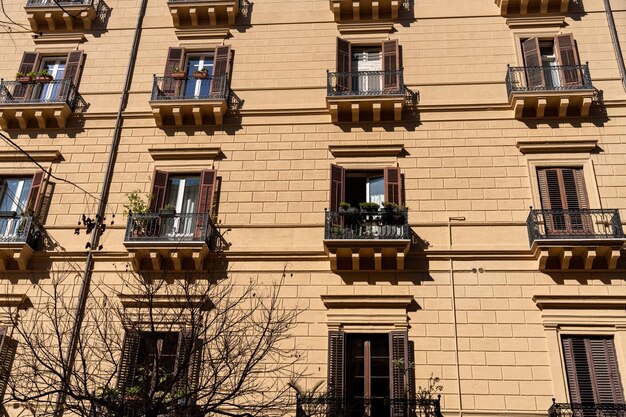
(442, 180)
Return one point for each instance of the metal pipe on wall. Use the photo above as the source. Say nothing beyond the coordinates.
(616, 45)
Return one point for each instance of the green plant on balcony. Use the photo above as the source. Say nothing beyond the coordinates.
(44, 77)
(336, 232)
(369, 206)
(136, 203)
(167, 210)
(24, 78)
(178, 74)
(201, 74)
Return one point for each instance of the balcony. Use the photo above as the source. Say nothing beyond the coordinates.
(325, 406)
(61, 15)
(177, 241)
(24, 105)
(367, 241)
(556, 91)
(194, 13)
(586, 409)
(523, 7)
(357, 10)
(582, 239)
(19, 235)
(190, 101)
(367, 96)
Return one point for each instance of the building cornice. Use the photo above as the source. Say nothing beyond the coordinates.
(556, 146)
(605, 302)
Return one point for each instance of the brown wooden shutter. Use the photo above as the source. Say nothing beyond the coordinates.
(393, 185)
(8, 346)
(532, 61)
(391, 65)
(73, 66)
(398, 353)
(344, 65)
(221, 71)
(28, 64)
(562, 188)
(337, 186)
(336, 364)
(592, 371)
(36, 192)
(567, 55)
(175, 58)
(128, 360)
(208, 179)
(158, 191)
(184, 353)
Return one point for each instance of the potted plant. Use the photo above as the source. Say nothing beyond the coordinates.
(201, 74)
(24, 78)
(178, 74)
(369, 207)
(43, 77)
(389, 213)
(167, 210)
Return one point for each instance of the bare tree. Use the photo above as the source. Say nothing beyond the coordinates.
(153, 345)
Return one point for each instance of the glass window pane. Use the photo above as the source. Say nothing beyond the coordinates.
(376, 189)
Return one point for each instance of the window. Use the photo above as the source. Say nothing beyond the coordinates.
(592, 371)
(14, 194)
(214, 82)
(564, 197)
(19, 196)
(56, 68)
(151, 360)
(363, 372)
(359, 186)
(65, 71)
(551, 62)
(373, 69)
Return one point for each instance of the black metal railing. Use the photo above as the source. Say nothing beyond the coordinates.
(54, 3)
(548, 78)
(359, 224)
(191, 88)
(359, 407)
(365, 83)
(574, 224)
(15, 228)
(56, 91)
(586, 410)
(165, 227)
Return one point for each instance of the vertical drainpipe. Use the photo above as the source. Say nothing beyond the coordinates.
(100, 215)
(454, 317)
(616, 45)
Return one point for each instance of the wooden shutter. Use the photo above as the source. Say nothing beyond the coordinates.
(28, 64)
(592, 371)
(398, 353)
(337, 186)
(564, 189)
(567, 56)
(393, 185)
(187, 366)
(175, 58)
(8, 346)
(391, 65)
(128, 360)
(221, 71)
(37, 188)
(532, 61)
(344, 65)
(336, 364)
(73, 66)
(208, 179)
(158, 191)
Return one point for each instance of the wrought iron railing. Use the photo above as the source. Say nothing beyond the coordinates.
(574, 224)
(357, 224)
(56, 3)
(549, 78)
(56, 91)
(174, 227)
(191, 88)
(586, 410)
(376, 407)
(15, 228)
(365, 83)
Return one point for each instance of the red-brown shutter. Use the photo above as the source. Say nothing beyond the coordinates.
(398, 352)
(8, 346)
(391, 65)
(187, 366)
(393, 185)
(592, 371)
(73, 66)
(36, 192)
(175, 58)
(221, 71)
(208, 180)
(28, 64)
(564, 189)
(128, 360)
(337, 189)
(567, 56)
(532, 61)
(344, 65)
(336, 364)
(158, 191)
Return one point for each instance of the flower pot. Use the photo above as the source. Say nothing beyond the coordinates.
(167, 212)
(201, 75)
(24, 79)
(44, 79)
(179, 75)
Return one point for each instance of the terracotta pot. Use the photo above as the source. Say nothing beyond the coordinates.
(25, 79)
(201, 75)
(179, 75)
(44, 79)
